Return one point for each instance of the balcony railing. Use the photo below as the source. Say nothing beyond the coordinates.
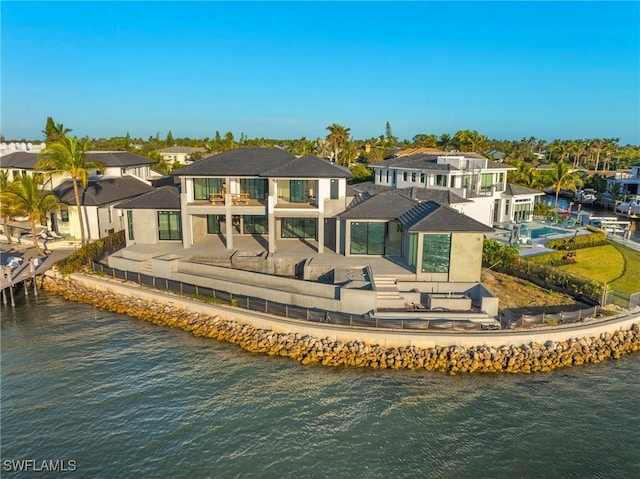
(236, 198)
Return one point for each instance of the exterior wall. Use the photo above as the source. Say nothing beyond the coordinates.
(466, 257)
(145, 227)
(480, 210)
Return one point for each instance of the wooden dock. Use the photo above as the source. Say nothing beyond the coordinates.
(12, 278)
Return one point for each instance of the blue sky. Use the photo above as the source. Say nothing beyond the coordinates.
(289, 69)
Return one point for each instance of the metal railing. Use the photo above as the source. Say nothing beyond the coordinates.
(552, 319)
(261, 305)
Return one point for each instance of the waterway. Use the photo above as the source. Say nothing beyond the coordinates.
(594, 210)
(123, 398)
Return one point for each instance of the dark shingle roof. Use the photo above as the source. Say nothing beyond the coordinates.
(266, 162)
(103, 191)
(392, 203)
(241, 162)
(20, 159)
(369, 188)
(165, 197)
(118, 158)
(432, 217)
(388, 205)
(514, 190)
(308, 166)
(27, 161)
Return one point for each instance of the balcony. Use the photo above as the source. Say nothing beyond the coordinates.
(236, 199)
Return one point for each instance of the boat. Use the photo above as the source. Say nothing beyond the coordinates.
(587, 196)
(631, 207)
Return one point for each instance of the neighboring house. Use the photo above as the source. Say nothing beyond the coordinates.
(116, 164)
(180, 154)
(629, 182)
(468, 175)
(98, 200)
(122, 176)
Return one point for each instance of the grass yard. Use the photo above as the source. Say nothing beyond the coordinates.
(614, 264)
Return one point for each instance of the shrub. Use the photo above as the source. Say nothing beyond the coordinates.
(83, 257)
(598, 238)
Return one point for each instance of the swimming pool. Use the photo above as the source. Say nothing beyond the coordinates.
(544, 231)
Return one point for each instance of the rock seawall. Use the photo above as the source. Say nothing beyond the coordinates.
(534, 357)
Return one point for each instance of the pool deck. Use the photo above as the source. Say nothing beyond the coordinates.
(534, 246)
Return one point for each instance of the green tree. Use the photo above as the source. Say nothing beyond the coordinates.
(338, 138)
(360, 173)
(229, 141)
(169, 141)
(563, 177)
(27, 198)
(6, 207)
(54, 131)
(388, 134)
(445, 141)
(422, 140)
(67, 156)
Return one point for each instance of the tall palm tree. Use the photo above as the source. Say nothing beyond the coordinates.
(563, 177)
(445, 141)
(67, 156)
(6, 207)
(29, 199)
(338, 138)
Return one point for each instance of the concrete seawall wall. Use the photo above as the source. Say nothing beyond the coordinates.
(526, 351)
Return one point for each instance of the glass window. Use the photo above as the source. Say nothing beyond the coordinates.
(335, 184)
(413, 177)
(368, 237)
(255, 224)
(441, 180)
(295, 191)
(256, 187)
(169, 225)
(298, 228)
(64, 215)
(405, 175)
(129, 224)
(203, 188)
(436, 250)
(423, 177)
(387, 176)
(213, 224)
(487, 180)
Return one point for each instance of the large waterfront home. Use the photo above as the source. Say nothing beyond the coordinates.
(469, 175)
(268, 211)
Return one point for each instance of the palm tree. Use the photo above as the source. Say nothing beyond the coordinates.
(67, 156)
(6, 207)
(29, 199)
(563, 177)
(445, 141)
(338, 138)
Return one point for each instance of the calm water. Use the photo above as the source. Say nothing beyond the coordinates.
(123, 398)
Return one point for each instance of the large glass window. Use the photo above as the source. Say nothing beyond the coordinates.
(298, 191)
(298, 228)
(256, 187)
(129, 224)
(64, 214)
(203, 188)
(487, 180)
(169, 225)
(255, 224)
(213, 224)
(335, 184)
(436, 250)
(441, 180)
(368, 238)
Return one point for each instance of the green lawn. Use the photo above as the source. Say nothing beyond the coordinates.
(614, 264)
